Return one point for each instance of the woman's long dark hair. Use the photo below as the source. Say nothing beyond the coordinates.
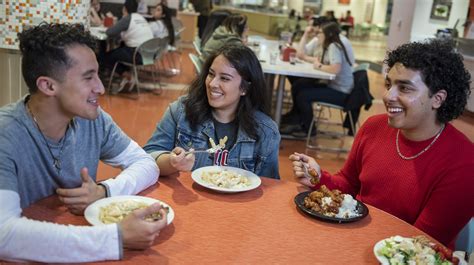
(331, 35)
(243, 59)
(215, 20)
(235, 23)
(166, 18)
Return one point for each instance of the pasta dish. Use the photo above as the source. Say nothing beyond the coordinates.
(117, 211)
(225, 179)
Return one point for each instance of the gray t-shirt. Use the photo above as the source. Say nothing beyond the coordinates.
(26, 164)
(344, 81)
(312, 48)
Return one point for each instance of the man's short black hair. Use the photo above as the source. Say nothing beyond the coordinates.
(43, 49)
(440, 67)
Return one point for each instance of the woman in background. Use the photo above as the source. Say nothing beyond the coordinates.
(226, 101)
(233, 30)
(162, 25)
(96, 17)
(336, 60)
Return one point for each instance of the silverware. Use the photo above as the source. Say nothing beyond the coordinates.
(306, 170)
(199, 151)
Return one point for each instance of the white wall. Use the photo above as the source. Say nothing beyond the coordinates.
(380, 12)
(296, 5)
(425, 27)
(357, 7)
(403, 12)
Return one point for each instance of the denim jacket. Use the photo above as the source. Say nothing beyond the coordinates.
(258, 156)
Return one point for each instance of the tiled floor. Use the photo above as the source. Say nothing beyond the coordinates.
(138, 118)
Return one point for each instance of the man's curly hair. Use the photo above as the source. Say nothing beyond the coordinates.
(43, 48)
(440, 67)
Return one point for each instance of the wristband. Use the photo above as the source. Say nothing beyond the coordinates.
(107, 192)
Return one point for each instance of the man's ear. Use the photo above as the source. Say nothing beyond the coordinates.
(46, 85)
(439, 98)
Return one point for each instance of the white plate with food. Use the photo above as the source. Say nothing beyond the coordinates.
(416, 250)
(226, 179)
(114, 209)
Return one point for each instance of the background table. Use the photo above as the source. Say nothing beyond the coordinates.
(262, 226)
(283, 69)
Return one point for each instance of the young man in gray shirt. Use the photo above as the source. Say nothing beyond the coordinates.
(51, 142)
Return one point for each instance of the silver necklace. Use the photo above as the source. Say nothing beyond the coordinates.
(56, 160)
(422, 151)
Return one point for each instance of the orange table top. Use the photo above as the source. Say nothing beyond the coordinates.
(262, 226)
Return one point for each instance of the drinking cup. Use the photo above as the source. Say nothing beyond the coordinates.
(293, 57)
(273, 57)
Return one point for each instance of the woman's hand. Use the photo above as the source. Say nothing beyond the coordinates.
(317, 63)
(180, 160)
(308, 30)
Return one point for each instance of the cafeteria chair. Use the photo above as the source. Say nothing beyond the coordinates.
(359, 96)
(150, 52)
(196, 62)
(170, 63)
(197, 45)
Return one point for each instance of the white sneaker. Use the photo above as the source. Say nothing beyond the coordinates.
(131, 84)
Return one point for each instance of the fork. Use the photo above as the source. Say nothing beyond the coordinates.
(209, 151)
(306, 170)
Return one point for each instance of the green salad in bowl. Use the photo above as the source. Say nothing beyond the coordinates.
(412, 250)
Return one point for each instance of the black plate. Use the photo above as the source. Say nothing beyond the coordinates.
(361, 209)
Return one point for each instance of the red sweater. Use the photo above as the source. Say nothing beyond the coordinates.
(434, 192)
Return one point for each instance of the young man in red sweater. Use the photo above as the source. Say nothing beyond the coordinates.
(411, 162)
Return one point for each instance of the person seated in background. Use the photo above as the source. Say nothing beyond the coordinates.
(335, 59)
(411, 162)
(96, 17)
(215, 20)
(309, 48)
(349, 19)
(226, 104)
(52, 140)
(330, 16)
(162, 26)
(233, 30)
(133, 30)
(347, 22)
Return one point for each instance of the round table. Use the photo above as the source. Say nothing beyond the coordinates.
(261, 226)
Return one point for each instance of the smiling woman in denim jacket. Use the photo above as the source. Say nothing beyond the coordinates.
(226, 99)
